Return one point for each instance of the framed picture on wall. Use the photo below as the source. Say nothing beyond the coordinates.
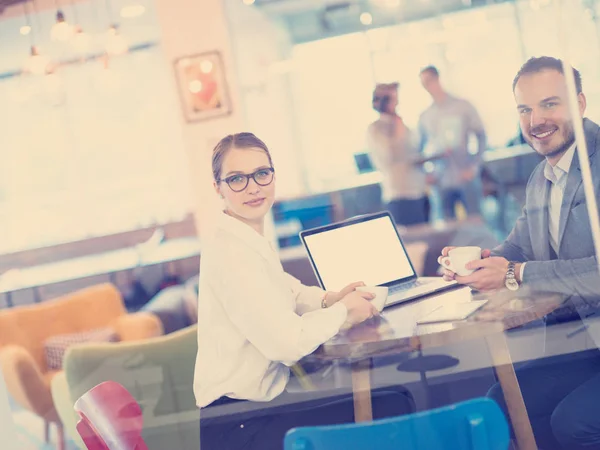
(202, 86)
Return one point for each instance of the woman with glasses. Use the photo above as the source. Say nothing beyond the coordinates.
(255, 321)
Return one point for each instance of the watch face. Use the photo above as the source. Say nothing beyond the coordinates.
(512, 285)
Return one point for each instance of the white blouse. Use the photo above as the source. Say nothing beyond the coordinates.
(254, 320)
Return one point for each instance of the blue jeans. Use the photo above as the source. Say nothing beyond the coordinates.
(469, 194)
(562, 397)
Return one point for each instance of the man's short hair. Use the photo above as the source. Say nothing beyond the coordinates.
(541, 63)
(432, 70)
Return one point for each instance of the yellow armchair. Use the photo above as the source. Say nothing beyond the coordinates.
(24, 330)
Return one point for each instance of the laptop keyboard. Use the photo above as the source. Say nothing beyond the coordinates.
(406, 286)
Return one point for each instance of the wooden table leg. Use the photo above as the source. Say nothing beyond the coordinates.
(361, 388)
(512, 393)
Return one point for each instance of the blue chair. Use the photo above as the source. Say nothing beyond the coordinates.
(476, 424)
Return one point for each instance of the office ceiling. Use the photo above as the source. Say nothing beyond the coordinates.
(309, 20)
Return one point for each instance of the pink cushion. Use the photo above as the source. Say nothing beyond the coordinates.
(56, 346)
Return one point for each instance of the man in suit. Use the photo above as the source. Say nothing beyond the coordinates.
(551, 249)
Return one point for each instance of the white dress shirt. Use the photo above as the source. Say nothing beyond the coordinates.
(254, 320)
(557, 175)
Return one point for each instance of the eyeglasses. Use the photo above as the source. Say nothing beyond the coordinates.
(239, 182)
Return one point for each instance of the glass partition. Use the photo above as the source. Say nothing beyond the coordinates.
(435, 212)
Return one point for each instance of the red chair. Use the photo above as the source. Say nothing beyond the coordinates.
(110, 419)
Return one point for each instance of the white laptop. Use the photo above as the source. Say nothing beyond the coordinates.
(369, 249)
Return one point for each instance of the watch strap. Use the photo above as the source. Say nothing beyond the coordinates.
(510, 272)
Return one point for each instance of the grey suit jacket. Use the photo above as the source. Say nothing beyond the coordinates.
(575, 272)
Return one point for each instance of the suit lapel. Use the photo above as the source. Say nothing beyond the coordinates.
(539, 221)
(574, 179)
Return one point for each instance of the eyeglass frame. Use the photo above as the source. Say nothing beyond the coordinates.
(247, 177)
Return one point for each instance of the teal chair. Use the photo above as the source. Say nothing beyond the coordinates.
(472, 425)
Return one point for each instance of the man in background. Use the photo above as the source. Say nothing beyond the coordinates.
(447, 126)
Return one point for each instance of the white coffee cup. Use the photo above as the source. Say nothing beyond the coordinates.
(380, 293)
(458, 258)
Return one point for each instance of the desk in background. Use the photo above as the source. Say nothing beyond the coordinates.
(505, 173)
(36, 283)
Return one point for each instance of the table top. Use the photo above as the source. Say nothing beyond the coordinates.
(396, 330)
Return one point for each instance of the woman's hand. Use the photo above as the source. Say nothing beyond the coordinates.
(359, 307)
(334, 297)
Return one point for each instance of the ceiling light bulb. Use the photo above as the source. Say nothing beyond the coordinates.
(61, 30)
(25, 30)
(366, 18)
(248, 2)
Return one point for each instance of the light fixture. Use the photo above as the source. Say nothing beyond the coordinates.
(36, 64)
(248, 2)
(366, 18)
(134, 10)
(26, 29)
(116, 44)
(81, 40)
(61, 30)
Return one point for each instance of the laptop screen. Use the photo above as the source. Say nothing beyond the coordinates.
(368, 251)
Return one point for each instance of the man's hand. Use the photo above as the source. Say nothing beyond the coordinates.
(489, 275)
(448, 274)
(334, 297)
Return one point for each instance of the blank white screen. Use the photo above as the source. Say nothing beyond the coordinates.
(368, 251)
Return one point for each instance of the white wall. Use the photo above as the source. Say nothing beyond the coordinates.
(262, 49)
(190, 27)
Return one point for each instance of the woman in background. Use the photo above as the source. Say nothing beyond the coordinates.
(255, 321)
(396, 155)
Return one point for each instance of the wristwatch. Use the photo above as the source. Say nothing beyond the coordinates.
(511, 281)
